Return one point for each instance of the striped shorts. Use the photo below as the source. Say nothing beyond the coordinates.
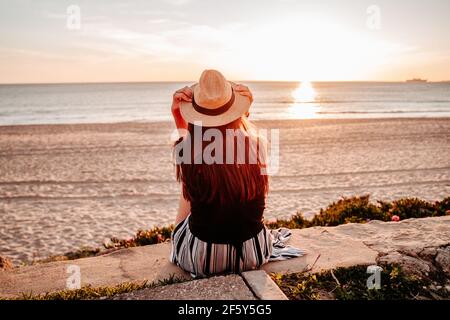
(202, 258)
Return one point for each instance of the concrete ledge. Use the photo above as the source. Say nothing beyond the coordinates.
(147, 263)
(361, 244)
(340, 246)
(263, 286)
(229, 287)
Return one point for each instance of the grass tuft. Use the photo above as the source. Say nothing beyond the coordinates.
(359, 209)
(351, 284)
(90, 293)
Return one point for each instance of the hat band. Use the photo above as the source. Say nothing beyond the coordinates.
(215, 111)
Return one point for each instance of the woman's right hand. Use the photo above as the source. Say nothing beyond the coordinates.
(184, 94)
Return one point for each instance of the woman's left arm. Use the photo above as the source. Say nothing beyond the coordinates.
(242, 90)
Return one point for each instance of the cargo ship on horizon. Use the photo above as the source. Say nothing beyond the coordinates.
(416, 80)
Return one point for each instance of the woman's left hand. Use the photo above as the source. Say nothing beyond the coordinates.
(242, 90)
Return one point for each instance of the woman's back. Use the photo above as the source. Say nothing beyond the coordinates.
(227, 223)
(227, 198)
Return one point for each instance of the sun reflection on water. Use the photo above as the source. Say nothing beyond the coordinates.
(304, 105)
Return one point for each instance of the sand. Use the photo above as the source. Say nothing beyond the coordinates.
(67, 186)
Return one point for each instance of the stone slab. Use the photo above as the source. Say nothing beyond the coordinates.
(340, 246)
(230, 287)
(263, 286)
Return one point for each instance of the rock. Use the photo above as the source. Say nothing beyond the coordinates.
(443, 259)
(5, 264)
(410, 265)
(412, 252)
(428, 253)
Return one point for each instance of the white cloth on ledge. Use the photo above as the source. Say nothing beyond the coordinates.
(280, 250)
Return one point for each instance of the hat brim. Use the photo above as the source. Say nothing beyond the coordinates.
(240, 107)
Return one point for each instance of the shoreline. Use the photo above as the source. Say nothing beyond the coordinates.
(169, 123)
(195, 80)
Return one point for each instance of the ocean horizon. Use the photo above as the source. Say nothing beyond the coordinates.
(111, 102)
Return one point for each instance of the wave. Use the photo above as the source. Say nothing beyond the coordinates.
(350, 101)
(383, 111)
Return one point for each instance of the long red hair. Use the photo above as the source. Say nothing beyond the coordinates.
(224, 182)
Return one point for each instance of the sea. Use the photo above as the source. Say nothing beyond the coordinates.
(121, 102)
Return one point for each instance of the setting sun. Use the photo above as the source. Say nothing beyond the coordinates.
(304, 93)
(304, 105)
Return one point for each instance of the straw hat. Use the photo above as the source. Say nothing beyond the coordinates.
(214, 101)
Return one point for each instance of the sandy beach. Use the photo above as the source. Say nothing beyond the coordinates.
(67, 186)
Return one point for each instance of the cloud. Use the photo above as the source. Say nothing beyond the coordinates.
(54, 15)
(158, 21)
(9, 54)
(84, 17)
(161, 39)
(177, 2)
(291, 47)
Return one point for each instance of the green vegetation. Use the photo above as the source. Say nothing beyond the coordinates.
(346, 210)
(351, 284)
(88, 293)
(361, 210)
(78, 254)
(142, 238)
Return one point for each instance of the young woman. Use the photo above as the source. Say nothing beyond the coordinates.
(219, 227)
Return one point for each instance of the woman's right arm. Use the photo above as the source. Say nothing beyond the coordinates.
(184, 94)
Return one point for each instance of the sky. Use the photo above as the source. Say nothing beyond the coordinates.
(45, 41)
